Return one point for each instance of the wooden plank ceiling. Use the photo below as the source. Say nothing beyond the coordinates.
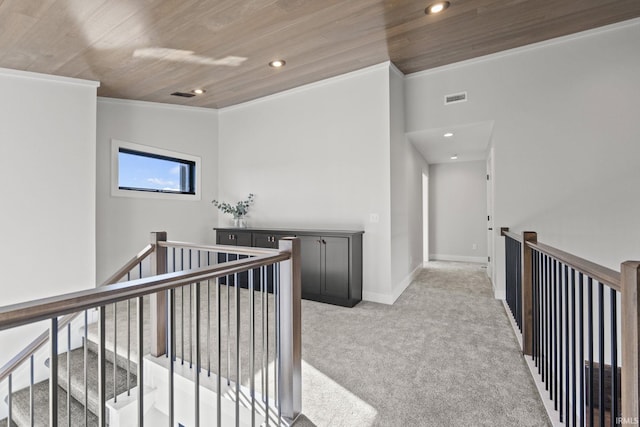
(147, 49)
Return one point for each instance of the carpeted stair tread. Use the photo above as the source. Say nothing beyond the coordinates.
(77, 377)
(20, 407)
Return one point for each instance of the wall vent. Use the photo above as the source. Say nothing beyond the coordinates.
(183, 94)
(454, 98)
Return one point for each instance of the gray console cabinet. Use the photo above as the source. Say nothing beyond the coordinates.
(331, 260)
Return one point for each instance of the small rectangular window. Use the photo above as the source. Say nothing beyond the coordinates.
(142, 171)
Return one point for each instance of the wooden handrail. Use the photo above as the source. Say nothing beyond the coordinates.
(505, 232)
(115, 277)
(43, 338)
(239, 250)
(33, 311)
(597, 272)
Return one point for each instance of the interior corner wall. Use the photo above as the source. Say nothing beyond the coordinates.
(458, 212)
(47, 165)
(316, 157)
(565, 138)
(124, 224)
(407, 167)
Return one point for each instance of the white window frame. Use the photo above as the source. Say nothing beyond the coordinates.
(116, 144)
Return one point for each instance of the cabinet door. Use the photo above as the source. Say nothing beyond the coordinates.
(233, 238)
(335, 264)
(310, 259)
(265, 240)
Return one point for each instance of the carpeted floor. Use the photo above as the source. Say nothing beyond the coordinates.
(443, 355)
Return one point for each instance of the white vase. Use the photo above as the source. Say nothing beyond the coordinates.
(240, 222)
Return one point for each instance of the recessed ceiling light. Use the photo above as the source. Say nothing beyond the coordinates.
(448, 135)
(278, 63)
(437, 7)
(454, 157)
(198, 91)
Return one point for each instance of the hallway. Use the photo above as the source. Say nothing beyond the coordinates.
(443, 355)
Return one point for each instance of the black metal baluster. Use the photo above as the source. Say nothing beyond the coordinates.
(140, 334)
(614, 357)
(85, 343)
(31, 395)
(566, 343)
(252, 347)
(208, 319)
(196, 309)
(545, 373)
(518, 275)
(534, 307)
(601, 393)
(219, 353)
(115, 350)
(128, 347)
(554, 337)
(182, 310)
(561, 323)
(237, 321)
(172, 353)
(573, 346)
(190, 319)
(581, 346)
(590, 343)
(69, 374)
(228, 279)
(10, 399)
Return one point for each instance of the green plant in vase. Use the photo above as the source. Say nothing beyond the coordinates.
(239, 210)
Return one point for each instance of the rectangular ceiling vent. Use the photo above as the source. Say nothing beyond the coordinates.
(455, 98)
(183, 94)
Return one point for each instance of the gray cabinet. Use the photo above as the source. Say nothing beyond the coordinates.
(325, 266)
(331, 260)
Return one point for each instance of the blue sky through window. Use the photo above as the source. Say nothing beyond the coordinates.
(151, 173)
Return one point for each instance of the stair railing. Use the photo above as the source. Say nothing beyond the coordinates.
(270, 275)
(132, 267)
(567, 310)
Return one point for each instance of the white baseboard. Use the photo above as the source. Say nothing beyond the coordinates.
(458, 258)
(389, 299)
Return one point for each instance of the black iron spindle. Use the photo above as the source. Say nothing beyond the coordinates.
(614, 357)
(601, 392)
(590, 344)
(573, 346)
(554, 337)
(581, 347)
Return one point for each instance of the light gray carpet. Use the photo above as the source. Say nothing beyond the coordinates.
(443, 355)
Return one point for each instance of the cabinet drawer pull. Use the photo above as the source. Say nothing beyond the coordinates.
(323, 242)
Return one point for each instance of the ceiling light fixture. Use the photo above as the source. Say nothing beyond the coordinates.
(278, 63)
(448, 135)
(454, 157)
(198, 91)
(438, 7)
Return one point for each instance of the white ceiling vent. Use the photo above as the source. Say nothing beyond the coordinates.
(455, 98)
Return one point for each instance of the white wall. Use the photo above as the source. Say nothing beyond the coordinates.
(47, 169)
(124, 223)
(407, 167)
(316, 157)
(458, 211)
(565, 137)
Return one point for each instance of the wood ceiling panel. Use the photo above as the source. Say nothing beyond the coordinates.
(105, 39)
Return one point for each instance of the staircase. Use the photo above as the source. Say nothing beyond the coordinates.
(225, 369)
(73, 384)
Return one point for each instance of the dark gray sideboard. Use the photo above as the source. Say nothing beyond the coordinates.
(331, 260)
